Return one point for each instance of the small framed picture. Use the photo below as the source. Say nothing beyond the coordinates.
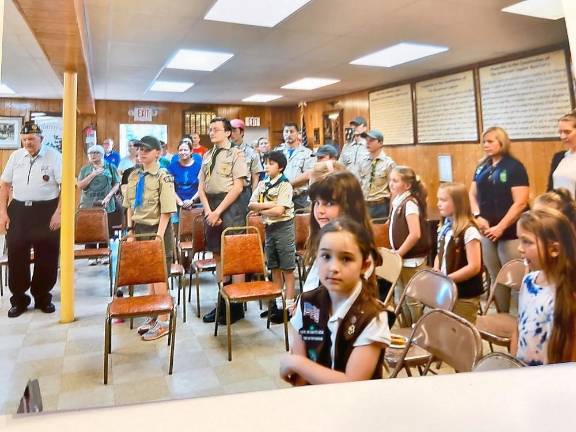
(10, 132)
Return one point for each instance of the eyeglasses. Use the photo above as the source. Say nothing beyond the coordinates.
(215, 130)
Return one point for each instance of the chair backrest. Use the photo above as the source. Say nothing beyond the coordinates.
(510, 275)
(91, 226)
(141, 262)
(432, 289)
(497, 361)
(186, 223)
(302, 229)
(242, 253)
(256, 221)
(389, 270)
(380, 228)
(198, 234)
(449, 338)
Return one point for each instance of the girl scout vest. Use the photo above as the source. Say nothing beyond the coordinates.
(315, 305)
(401, 231)
(456, 259)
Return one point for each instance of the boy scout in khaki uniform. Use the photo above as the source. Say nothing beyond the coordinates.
(150, 200)
(221, 182)
(374, 172)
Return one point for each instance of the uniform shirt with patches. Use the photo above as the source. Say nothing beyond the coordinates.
(353, 153)
(280, 195)
(300, 161)
(159, 195)
(374, 176)
(252, 162)
(535, 320)
(230, 165)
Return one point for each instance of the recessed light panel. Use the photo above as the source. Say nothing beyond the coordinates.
(398, 54)
(171, 86)
(262, 13)
(198, 60)
(261, 98)
(310, 83)
(547, 9)
(4, 89)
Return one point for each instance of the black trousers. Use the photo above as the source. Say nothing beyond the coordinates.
(30, 228)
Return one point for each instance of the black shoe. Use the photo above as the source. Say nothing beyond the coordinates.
(277, 317)
(210, 317)
(272, 309)
(16, 311)
(236, 314)
(46, 308)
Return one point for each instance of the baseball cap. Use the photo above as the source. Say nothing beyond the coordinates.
(149, 142)
(237, 123)
(326, 150)
(374, 134)
(359, 121)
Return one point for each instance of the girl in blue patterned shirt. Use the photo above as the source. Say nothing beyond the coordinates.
(547, 301)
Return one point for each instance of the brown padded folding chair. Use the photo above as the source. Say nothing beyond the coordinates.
(130, 271)
(435, 291)
(381, 232)
(92, 227)
(302, 231)
(176, 272)
(498, 328)
(448, 338)
(497, 361)
(243, 254)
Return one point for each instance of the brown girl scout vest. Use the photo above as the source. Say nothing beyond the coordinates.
(401, 231)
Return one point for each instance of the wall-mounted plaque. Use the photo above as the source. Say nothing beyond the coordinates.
(391, 113)
(446, 109)
(526, 96)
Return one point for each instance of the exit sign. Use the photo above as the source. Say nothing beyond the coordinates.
(252, 121)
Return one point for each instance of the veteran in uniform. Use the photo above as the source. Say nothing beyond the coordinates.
(150, 200)
(32, 220)
(253, 162)
(221, 182)
(354, 152)
(300, 160)
(374, 175)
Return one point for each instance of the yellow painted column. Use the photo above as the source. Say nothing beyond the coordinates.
(67, 198)
(570, 19)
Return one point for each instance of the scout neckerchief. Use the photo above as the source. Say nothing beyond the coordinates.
(214, 156)
(442, 236)
(373, 171)
(268, 186)
(139, 199)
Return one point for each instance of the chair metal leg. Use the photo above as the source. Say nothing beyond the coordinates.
(107, 348)
(197, 276)
(173, 336)
(216, 316)
(184, 305)
(299, 274)
(228, 334)
(110, 273)
(285, 316)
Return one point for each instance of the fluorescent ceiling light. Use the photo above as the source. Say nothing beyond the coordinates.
(38, 114)
(547, 9)
(262, 13)
(310, 83)
(4, 89)
(261, 98)
(171, 86)
(198, 60)
(398, 54)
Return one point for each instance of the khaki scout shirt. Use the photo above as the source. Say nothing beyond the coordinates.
(280, 195)
(300, 161)
(374, 176)
(252, 162)
(230, 165)
(159, 195)
(352, 155)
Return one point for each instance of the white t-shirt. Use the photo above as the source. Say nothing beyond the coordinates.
(565, 173)
(375, 332)
(411, 209)
(470, 234)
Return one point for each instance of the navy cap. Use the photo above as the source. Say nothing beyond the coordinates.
(149, 142)
(359, 121)
(374, 134)
(326, 150)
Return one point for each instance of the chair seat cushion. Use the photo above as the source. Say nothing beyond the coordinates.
(497, 326)
(251, 290)
(176, 269)
(186, 245)
(91, 253)
(205, 264)
(140, 305)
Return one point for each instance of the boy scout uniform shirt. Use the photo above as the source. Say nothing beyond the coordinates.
(34, 178)
(230, 165)
(280, 194)
(252, 162)
(300, 162)
(352, 156)
(159, 195)
(374, 175)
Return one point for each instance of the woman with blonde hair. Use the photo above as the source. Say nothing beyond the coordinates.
(498, 196)
(563, 168)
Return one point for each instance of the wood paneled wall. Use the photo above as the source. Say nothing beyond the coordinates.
(535, 155)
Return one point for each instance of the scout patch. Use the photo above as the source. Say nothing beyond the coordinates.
(312, 311)
(503, 176)
(168, 179)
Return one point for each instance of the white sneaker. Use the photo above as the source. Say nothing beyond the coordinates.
(146, 325)
(104, 261)
(92, 261)
(160, 329)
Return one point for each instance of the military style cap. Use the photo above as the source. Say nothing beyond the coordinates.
(30, 127)
(148, 142)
